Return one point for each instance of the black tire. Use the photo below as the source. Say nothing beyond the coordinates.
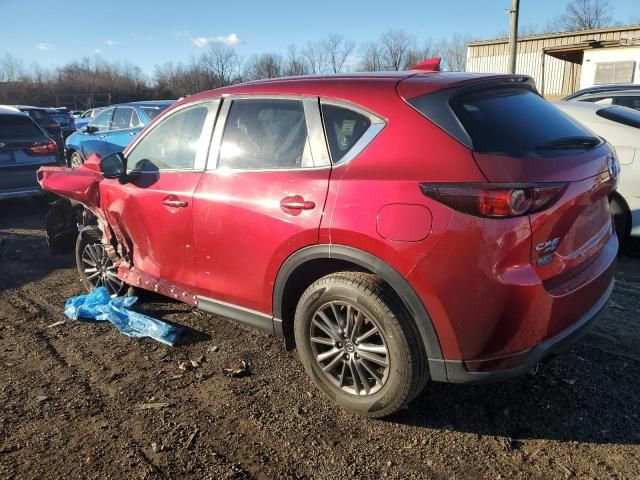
(367, 297)
(89, 248)
(620, 220)
(75, 159)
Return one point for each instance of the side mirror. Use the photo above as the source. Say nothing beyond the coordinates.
(113, 166)
(90, 129)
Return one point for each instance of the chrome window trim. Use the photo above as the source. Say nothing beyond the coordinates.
(315, 132)
(203, 141)
(377, 125)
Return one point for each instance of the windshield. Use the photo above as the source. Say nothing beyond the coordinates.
(517, 122)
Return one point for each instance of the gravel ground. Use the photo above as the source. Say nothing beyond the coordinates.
(79, 400)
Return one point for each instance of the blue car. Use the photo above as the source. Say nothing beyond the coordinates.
(112, 130)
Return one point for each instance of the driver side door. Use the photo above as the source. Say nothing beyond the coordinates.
(152, 211)
(94, 140)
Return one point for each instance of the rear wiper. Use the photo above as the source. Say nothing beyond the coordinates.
(570, 143)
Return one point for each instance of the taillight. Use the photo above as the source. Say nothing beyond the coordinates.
(494, 200)
(44, 149)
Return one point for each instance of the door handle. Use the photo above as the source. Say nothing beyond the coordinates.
(173, 203)
(297, 202)
(132, 133)
(102, 137)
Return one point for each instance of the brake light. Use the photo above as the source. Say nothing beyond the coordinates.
(49, 148)
(494, 200)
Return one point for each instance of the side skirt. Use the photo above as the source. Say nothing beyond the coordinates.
(250, 317)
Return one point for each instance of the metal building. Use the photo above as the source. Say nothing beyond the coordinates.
(554, 60)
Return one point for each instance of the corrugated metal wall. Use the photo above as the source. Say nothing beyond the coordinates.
(561, 78)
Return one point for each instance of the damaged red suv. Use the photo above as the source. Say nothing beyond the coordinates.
(396, 227)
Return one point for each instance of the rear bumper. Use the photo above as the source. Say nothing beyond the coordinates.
(457, 373)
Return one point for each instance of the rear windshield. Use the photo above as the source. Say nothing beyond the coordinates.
(517, 122)
(18, 127)
(623, 115)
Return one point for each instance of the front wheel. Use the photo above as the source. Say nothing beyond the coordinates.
(94, 265)
(358, 345)
(75, 160)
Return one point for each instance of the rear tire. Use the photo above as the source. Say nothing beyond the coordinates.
(371, 374)
(620, 220)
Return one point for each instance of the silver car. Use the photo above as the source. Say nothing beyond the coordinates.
(24, 148)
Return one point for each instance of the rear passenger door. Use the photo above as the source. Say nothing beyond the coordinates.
(261, 197)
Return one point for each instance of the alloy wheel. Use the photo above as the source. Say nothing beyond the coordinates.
(99, 269)
(349, 348)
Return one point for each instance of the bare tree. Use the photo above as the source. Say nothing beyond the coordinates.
(585, 15)
(11, 69)
(266, 65)
(222, 63)
(454, 53)
(396, 45)
(371, 57)
(295, 63)
(315, 57)
(420, 54)
(337, 50)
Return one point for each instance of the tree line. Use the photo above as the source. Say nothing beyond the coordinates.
(83, 83)
(76, 83)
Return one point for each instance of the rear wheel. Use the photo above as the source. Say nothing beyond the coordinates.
(357, 344)
(75, 160)
(94, 265)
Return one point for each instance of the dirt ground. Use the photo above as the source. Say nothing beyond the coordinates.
(72, 397)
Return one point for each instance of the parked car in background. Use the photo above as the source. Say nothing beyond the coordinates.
(64, 117)
(112, 129)
(85, 117)
(620, 126)
(76, 114)
(24, 148)
(352, 214)
(626, 95)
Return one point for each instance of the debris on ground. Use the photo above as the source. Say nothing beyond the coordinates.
(153, 406)
(99, 305)
(186, 366)
(189, 441)
(214, 349)
(240, 370)
(57, 324)
(42, 398)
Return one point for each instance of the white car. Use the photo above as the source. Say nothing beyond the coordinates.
(620, 126)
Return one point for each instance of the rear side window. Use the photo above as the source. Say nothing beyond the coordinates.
(122, 118)
(152, 112)
(265, 134)
(172, 144)
(517, 122)
(343, 128)
(14, 127)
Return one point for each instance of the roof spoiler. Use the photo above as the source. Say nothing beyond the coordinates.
(429, 65)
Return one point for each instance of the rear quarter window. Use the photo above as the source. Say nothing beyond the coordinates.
(343, 128)
(516, 122)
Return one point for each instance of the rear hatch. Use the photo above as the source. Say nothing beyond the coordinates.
(518, 140)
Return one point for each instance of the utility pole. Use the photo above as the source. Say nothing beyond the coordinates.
(513, 35)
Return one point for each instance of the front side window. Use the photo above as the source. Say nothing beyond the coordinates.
(265, 134)
(343, 128)
(122, 118)
(103, 120)
(172, 144)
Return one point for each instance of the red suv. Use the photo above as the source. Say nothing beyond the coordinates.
(395, 227)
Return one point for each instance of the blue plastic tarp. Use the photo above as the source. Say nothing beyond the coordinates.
(99, 305)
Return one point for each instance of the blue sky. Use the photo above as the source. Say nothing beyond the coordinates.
(149, 33)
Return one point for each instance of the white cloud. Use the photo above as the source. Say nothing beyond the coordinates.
(231, 39)
(111, 43)
(97, 51)
(43, 46)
